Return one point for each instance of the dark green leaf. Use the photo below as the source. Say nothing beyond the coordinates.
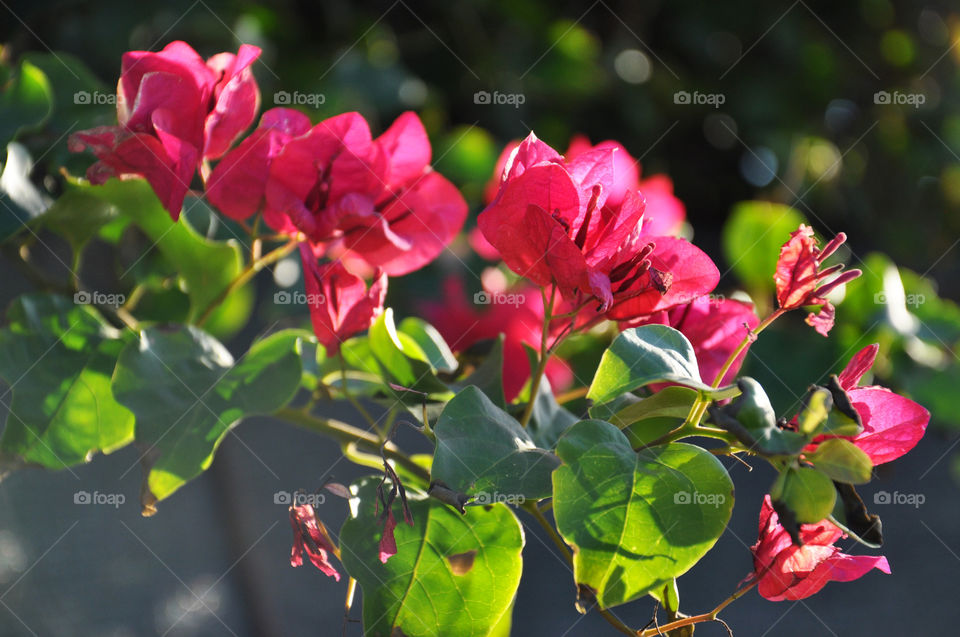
(482, 450)
(187, 392)
(432, 345)
(26, 100)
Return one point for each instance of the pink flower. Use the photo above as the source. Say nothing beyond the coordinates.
(340, 303)
(892, 424)
(801, 282)
(715, 328)
(310, 536)
(174, 110)
(552, 224)
(789, 572)
(378, 198)
(237, 185)
(462, 324)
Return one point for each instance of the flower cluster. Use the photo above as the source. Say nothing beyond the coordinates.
(372, 203)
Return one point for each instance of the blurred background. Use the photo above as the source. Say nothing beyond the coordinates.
(844, 112)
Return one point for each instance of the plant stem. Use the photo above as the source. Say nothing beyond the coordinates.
(696, 619)
(245, 275)
(544, 355)
(345, 434)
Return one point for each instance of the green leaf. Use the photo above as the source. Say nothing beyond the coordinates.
(644, 355)
(488, 375)
(645, 421)
(805, 491)
(816, 408)
(636, 519)
(187, 392)
(752, 237)
(26, 100)
(549, 419)
(842, 461)
(57, 358)
(78, 215)
(418, 592)
(481, 449)
(750, 417)
(205, 267)
(435, 349)
(403, 360)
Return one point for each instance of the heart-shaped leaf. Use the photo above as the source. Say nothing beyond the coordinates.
(636, 519)
(481, 449)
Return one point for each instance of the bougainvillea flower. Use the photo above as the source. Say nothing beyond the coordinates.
(174, 110)
(550, 224)
(789, 572)
(517, 313)
(664, 215)
(310, 536)
(892, 424)
(237, 185)
(340, 303)
(715, 328)
(378, 198)
(800, 281)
